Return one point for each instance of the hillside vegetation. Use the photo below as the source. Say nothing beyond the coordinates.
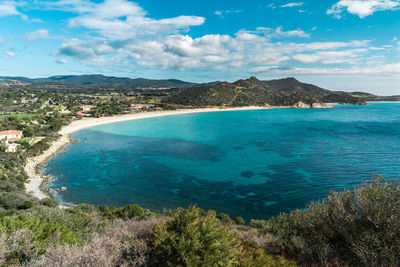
(359, 228)
(103, 81)
(284, 92)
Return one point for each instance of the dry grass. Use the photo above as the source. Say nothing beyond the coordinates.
(21, 242)
(121, 244)
(248, 234)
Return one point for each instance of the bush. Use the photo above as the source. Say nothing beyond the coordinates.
(122, 244)
(194, 239)
(133, 211)
(256, 257)
(127, 212)
(14, 200)
(225, 218)
(240, 221)
(85, 208)
(79, 222)
(26, 205)
(24, 237)
(49, 202)
(348, 228)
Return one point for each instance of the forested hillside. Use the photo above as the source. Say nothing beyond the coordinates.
(284, 92)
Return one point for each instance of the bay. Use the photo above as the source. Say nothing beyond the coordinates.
(253, 164)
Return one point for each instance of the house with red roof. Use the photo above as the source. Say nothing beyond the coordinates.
(10, 136)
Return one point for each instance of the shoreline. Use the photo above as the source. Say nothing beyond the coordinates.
(35, 181)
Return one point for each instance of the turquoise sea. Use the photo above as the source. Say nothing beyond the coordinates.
(255, 163)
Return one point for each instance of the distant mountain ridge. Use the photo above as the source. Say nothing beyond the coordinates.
(257, 90)
(282, 92)
(105, 81)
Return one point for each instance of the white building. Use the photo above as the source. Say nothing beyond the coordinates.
(10, 136)
(12, 147)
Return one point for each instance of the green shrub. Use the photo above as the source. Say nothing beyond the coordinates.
(80, 223)
(111, 213)
(85, 208)
(133, 211)
(348, 228)
(41, 233)
(240, 221)
(49, 202)
(14, 200)
(256, 257)
(126, 212)
(26, 205)
(225, 218)
(194, 239)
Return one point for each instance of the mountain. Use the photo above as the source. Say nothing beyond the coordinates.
(105, 81)
(283, 92)
(291, 85)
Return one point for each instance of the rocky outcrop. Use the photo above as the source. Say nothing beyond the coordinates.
(301, 104)
(321, 105)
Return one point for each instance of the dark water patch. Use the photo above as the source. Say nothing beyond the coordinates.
(237, 148)
(247, 174)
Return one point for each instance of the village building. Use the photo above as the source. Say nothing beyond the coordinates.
(85, 109)
(136, 107)
(12, 147)
(10, 137)
(11, 134)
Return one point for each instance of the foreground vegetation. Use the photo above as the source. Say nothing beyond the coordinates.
(353, 228)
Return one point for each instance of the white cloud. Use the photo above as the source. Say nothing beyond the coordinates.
(122, 20)
(220, 52)
(37, 20)
(223, 13)
(61, 61)
(294, 33)
(1, 40)
(8, 8)
(39, 34)
(272, 33)
(385, 69)
(120, 34)
(9, 54)
(362, 8)
(350, 56)
(296, 4)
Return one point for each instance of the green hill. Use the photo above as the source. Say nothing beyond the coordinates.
(105, 81)
(283, 92)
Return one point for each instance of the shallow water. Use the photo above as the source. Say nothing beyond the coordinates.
(255, 163)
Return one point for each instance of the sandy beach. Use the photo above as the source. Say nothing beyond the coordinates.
(33, 185)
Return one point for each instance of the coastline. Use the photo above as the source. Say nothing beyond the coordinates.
(35, 180)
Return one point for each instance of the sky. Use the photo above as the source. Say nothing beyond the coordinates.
(350, 45)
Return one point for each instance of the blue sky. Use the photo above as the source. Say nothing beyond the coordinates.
(350, 45)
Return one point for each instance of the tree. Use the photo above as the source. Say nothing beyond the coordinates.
(194, 238)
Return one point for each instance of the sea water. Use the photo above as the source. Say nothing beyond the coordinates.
(253, 164)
